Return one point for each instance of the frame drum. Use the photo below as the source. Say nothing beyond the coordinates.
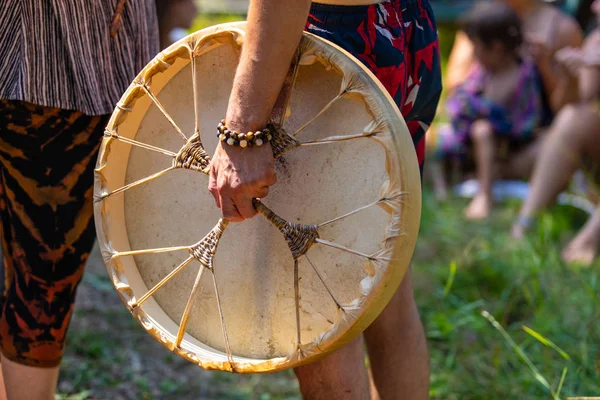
(334, 237)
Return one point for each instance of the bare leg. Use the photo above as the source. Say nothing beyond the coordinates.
(584, 247)
(31, 383)
(572, 136)
(482, 136)
(440, 187)
(2, 387)
(341, 375)
(373, 387)
(398, 349)
(434, 170)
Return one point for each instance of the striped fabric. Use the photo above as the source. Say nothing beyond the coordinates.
(59, 53)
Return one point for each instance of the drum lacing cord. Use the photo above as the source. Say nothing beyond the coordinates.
(205, 250)
(116, 21)
(299, 238)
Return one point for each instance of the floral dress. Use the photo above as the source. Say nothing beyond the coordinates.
(468, 104)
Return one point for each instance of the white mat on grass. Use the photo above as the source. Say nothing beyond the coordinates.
(505, 190)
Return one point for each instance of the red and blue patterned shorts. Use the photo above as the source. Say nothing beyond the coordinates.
(398, 41)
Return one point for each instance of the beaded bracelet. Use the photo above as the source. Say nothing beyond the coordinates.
(250, 139)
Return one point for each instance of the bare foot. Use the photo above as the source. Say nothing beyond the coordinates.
(521, 226)
(584, 247)
(479, 208)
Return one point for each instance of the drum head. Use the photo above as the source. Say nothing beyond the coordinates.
(235, 296)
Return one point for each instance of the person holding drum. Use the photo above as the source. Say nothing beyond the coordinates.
(397, 41)
(63, 66)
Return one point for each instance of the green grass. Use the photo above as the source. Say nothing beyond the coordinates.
(549, 309)
(540, 337)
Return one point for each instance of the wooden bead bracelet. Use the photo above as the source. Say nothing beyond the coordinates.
(250, 139)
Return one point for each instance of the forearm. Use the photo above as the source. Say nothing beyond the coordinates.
(273, 34)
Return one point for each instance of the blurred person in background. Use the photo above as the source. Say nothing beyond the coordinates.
(175, 18)
(573, 141)
(501, 98)
(63, 67)
(546, 30)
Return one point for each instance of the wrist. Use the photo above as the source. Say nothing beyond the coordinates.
(245, 118)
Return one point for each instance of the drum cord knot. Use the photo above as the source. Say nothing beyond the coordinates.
(193, 156)
(299, 237)
(204, 251)
(282, 141)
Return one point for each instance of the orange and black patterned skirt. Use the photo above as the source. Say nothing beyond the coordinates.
(47, 158)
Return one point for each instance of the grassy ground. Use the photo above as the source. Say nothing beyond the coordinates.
(461, 270)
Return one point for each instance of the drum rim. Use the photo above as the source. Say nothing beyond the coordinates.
(409, 176)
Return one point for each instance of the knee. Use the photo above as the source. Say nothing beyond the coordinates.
(340, 375)
(566, 116)
(569, 111)
(310, 381)
(481, 130)
(575, 122)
